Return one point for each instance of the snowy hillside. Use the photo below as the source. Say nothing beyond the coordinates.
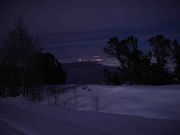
(142, 110)
(145, 101)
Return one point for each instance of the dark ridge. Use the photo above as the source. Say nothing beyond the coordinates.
(85, 72)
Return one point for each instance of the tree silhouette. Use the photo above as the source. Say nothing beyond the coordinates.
(136, 67)
(23, 65)
(17, 51)
(161, 54)
(49, 70)
(176, 57)
(133, 62)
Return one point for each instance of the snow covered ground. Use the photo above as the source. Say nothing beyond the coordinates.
(142, 110)
(145, 101)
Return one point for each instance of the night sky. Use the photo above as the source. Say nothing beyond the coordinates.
(75, 28)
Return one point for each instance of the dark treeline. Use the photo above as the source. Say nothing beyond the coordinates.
(160, 66)
(24, 67)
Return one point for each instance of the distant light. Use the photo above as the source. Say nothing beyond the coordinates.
(80, 60)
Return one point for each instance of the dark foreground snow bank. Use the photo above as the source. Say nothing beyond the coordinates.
(19, 117)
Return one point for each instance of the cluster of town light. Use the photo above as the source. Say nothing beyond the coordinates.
(93, 59)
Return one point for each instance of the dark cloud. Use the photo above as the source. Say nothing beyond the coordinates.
(57, 16)
(87, 24)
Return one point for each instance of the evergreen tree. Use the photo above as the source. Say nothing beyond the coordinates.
(176, 57)
(161, 54)
(137, 67)
(133, 63)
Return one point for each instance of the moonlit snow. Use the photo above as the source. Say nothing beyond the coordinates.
(95, 110)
